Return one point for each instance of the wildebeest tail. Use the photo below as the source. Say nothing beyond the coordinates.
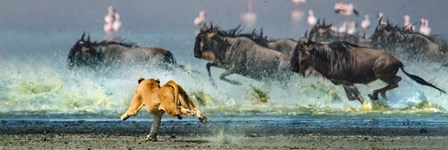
(420, 80)
(169, 58)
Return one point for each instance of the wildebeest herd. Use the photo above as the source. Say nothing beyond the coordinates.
(342, 58)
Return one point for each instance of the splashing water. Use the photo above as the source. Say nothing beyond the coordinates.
(54, 90)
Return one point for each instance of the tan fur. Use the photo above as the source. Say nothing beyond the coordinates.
(170, 98)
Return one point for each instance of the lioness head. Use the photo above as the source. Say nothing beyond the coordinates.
(157, 80)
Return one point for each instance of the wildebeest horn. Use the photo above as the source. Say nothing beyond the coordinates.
(379, 20)
(261, 32)
(82, 36)
(309, 40)
(323, 22)
(211, 25)
(306, 32)
(88, 38)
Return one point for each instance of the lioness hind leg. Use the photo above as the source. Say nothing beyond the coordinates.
(134, 107)
(152, 136)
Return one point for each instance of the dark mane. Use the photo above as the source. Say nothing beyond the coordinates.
(237, 32)
(125, 44)
(334, 53)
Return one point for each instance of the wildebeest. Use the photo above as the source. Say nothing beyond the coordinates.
(284, 45)
(412, 44)
(238, 55)
(98, 54)
(346, 64)
(323, 33)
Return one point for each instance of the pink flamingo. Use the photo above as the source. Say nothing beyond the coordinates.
(109, 19)
(117, 23)
(351, 27)
(380, 16)
(407, 23)
(296, 14)
(365, 24)
(343, 28)
(424, 27)
(250, 17)
(311, 19)
(345, 9)
(117, 26)
(199, 20)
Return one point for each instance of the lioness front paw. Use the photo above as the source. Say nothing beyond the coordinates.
(124, 117)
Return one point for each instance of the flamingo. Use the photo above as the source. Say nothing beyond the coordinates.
(380, 16)
(250, 17)
(311, 19)
(351, 27)
(200, 19)
(345, 9)
(296, 14)
(117, 23)
(365, 24)
(108, 25)
(424, 27)
(343, 28)
(407, 23)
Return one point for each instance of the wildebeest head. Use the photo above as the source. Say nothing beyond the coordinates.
(301, 58)
(82, 52)
(208, 44)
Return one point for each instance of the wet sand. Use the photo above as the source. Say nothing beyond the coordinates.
(224, 134)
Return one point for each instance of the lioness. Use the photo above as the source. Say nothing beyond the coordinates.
(170, 98)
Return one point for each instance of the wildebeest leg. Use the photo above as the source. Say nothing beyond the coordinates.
(209, 73)
(152, 136)
(349, 93)
(392, 83)
(353, 93)
(229, 71)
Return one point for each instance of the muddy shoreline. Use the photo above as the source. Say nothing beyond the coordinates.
(225, 134)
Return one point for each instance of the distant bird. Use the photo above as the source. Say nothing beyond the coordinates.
(365, 24)
(117, 23)
(380, 17)
(311, 19)
(108, 23)
(298, 2)
(345, 9)
(249, 18)
(407, 23)
(297, 14)
(343, 28)
(351, 27)
(424, 27)
(200, 19)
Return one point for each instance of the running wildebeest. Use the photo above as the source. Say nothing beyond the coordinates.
(238, 55)
(284, 45)
(324, 33)
(346, 64)
(412, 45)
(98, 54)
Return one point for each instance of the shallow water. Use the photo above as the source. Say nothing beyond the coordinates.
(35, 82)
